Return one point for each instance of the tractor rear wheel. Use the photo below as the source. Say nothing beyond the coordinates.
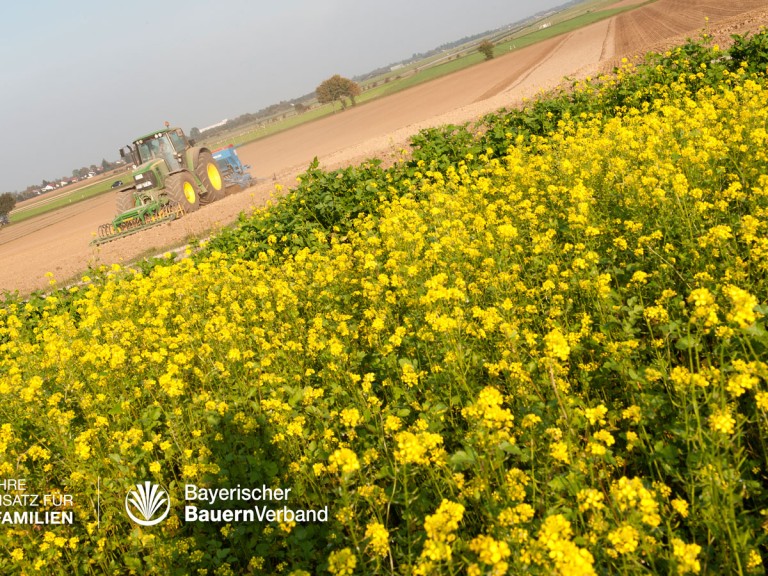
(125, 200)
(209, 174)
(181, 188)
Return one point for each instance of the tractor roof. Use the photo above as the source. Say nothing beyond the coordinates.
(154, 133)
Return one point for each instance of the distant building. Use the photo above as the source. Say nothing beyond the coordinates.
(215, 125)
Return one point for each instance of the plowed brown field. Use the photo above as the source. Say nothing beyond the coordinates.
(666, 19)
(59, 242)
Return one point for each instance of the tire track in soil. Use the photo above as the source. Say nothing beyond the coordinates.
(609, 41)
(520, 75)
(528, 73)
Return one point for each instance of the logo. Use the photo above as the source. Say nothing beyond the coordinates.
(146, 500)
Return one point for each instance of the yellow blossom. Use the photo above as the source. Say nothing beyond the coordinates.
(743, 305)
(624, 539)
(556, 345)
(421, 448)
(686, 556)
(680, 506)
(722, 421)
(378, 538)
(342, 562)
(345, 460)
(490, 551)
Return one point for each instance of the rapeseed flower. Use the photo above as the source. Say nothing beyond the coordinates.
(421, 448)
(344, 460)
(624, 539)
(342, 562)
(491, 552)
(556, 345)
(686, 556)
(743, 306)
(378, 538)
(722, 421)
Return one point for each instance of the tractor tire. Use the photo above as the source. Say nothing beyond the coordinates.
(209, 174)
(125, 200)
(181, 188)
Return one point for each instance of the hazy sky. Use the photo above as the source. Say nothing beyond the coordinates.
(80, 79)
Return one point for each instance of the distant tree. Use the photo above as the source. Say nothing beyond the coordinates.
(7, 203)
(486, 48)
(337, 88)
(300, 108)
(195, 133)
(105, 165)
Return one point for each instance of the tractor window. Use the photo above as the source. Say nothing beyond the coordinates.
(148, 149)
(167, 153)
(179, 142)
(159, 148)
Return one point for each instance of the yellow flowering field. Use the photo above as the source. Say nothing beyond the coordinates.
(549, 359)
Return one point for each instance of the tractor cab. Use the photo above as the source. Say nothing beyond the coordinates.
(168, 145)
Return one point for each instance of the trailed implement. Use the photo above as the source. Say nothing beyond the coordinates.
(138, 219)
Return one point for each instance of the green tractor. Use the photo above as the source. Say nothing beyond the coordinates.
(171, 177)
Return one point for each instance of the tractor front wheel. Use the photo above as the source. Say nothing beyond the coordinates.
(181, 188)
(208, 172)
(125, 200)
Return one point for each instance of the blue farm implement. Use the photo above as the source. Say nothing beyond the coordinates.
(234, 172)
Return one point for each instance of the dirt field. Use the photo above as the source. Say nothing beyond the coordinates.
(656, 24)
(59, 242)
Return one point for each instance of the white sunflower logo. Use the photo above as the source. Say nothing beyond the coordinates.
(144, 503)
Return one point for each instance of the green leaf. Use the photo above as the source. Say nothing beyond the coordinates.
(557, 484)
(686, 343)
(461, 460)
